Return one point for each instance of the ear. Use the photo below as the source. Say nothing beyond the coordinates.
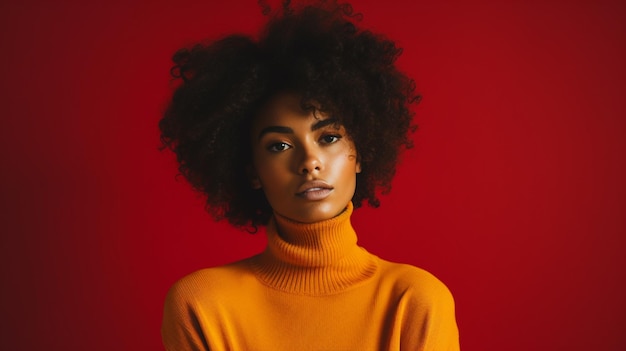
(255, 182)
(358, 166)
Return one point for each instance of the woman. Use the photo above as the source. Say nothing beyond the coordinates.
(292, 131)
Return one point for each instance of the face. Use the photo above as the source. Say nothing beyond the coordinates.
(305, 163)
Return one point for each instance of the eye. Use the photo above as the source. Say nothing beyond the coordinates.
(330, 138)
(278, 147)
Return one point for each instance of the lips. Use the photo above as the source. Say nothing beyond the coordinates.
(314, 190)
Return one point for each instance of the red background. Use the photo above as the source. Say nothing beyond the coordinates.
(514, 196)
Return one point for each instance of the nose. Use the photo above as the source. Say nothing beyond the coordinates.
(310, 161)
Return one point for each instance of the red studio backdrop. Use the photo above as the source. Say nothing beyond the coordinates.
(514, 195)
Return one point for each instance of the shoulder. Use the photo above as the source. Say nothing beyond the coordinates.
(414, 283)
(422, 305)
(210, 281)
(193, 299)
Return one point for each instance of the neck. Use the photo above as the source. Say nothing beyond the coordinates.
(312, 244)
(315, 258)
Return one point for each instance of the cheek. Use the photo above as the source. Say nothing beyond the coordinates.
(347, 165)
(271, 172)
(352, 157)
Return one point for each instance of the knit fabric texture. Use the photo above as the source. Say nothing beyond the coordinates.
(313, 288)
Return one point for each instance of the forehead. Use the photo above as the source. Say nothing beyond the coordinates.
(286, 108)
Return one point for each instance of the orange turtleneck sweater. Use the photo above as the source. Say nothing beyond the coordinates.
(312, 288)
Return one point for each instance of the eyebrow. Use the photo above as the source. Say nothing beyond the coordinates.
(286, 130)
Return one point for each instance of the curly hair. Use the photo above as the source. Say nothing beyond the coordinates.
(316, 51)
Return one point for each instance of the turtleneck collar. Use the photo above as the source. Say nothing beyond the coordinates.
(313, 258)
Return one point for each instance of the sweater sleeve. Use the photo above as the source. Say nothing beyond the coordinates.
(427, 312)
(181, 328)
(442, 333)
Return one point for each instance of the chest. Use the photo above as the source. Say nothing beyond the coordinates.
(359, 319)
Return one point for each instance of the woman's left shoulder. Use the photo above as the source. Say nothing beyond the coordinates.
(408, 279)
(422, 304)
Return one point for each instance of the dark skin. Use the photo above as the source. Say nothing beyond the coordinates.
(303, 161)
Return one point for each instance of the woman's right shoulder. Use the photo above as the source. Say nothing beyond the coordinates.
(212, 281)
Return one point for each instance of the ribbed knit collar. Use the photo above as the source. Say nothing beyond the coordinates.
(313, 259)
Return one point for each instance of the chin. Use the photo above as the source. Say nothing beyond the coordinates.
(315, 212)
